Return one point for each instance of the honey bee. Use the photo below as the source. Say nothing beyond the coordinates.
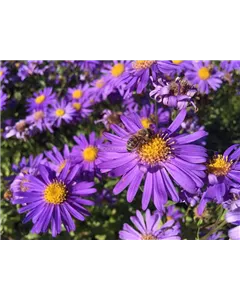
(139, 138)
(7, 195)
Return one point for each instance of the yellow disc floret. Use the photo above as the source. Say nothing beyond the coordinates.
(40, 99)
(99, 83)
(148, 237)
(38, 115)
(142, 64)
(60, 112)
(219, 165)
(77, 105)
(55, 192)
(146, 122)
(177, 62)
(77, 94)
(203, 73)
(117, 70)
(1, 73)
(90, 153)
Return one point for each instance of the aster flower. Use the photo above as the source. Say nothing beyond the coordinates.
(230, 65)
(81, 108)
(24, 168)
(52, 199)
(3, 98)
(78, 92)
(3, 74)
(31, 68)
(149, 228)
(160, 156)
(233, 217)
(86, 152)
(41, 100)
(109, 117)
(171, 67)
(115, 73)
(223, 174)
(99, 89)
(172, 213)
(39, 119)
(88, 65)
(147, 115)
(204, 75)
(20, 130)
(138, 75)
(177, 94)
(190, 199)
(61, 111)
(58, 160)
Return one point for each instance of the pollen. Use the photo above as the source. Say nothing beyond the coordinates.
(77, 105)
(117, 70)
(219, 165)
(203, 73)
(55, 192)
(154, 151)
(90, 153)
(142, 64)
(60, 112)
(148, 237)
(77, 94)
(38, 115)
(146, 122)
(177, 62)
(40, 99)
(1, 73)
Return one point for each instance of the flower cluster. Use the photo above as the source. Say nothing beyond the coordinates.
(110, 130)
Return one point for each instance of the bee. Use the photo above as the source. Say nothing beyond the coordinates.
(139, 138)
(7, 195)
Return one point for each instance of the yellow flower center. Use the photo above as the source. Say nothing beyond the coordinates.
(38, 115)
(142, 64)
(148, 237)
(77, 105)
(99, 83)
(117, 70)
(60, 112)
(17, 65)
(177, 62)
(154, 151)
(169, 218)
(62, 166)
(146, 122)
(219, 166)
(203, 73)
(90, 153)
(55, 192)
(1, 72)
(40, 99)
(77, 94)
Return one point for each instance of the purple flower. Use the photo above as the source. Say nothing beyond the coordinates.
(156, 158)
(171, 67)
(39, 119)
(149, 227)
(204, 75)
(20, 130)
(230, 65)
(61, 111)
(41, 100)
(78, 92)
(109, 117)
(3, 98)
(99, 89)
(139, 74)
(172, 213)
(52, 200)
(147, 115)
(86, 152)
(115, 74)
(3, 74)
(223, 174)
(58, 161)
(24, 168)
(233, 217)
(81, 107)
(177, 94)
(105, 197)
(31, 68)
(88, 65)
